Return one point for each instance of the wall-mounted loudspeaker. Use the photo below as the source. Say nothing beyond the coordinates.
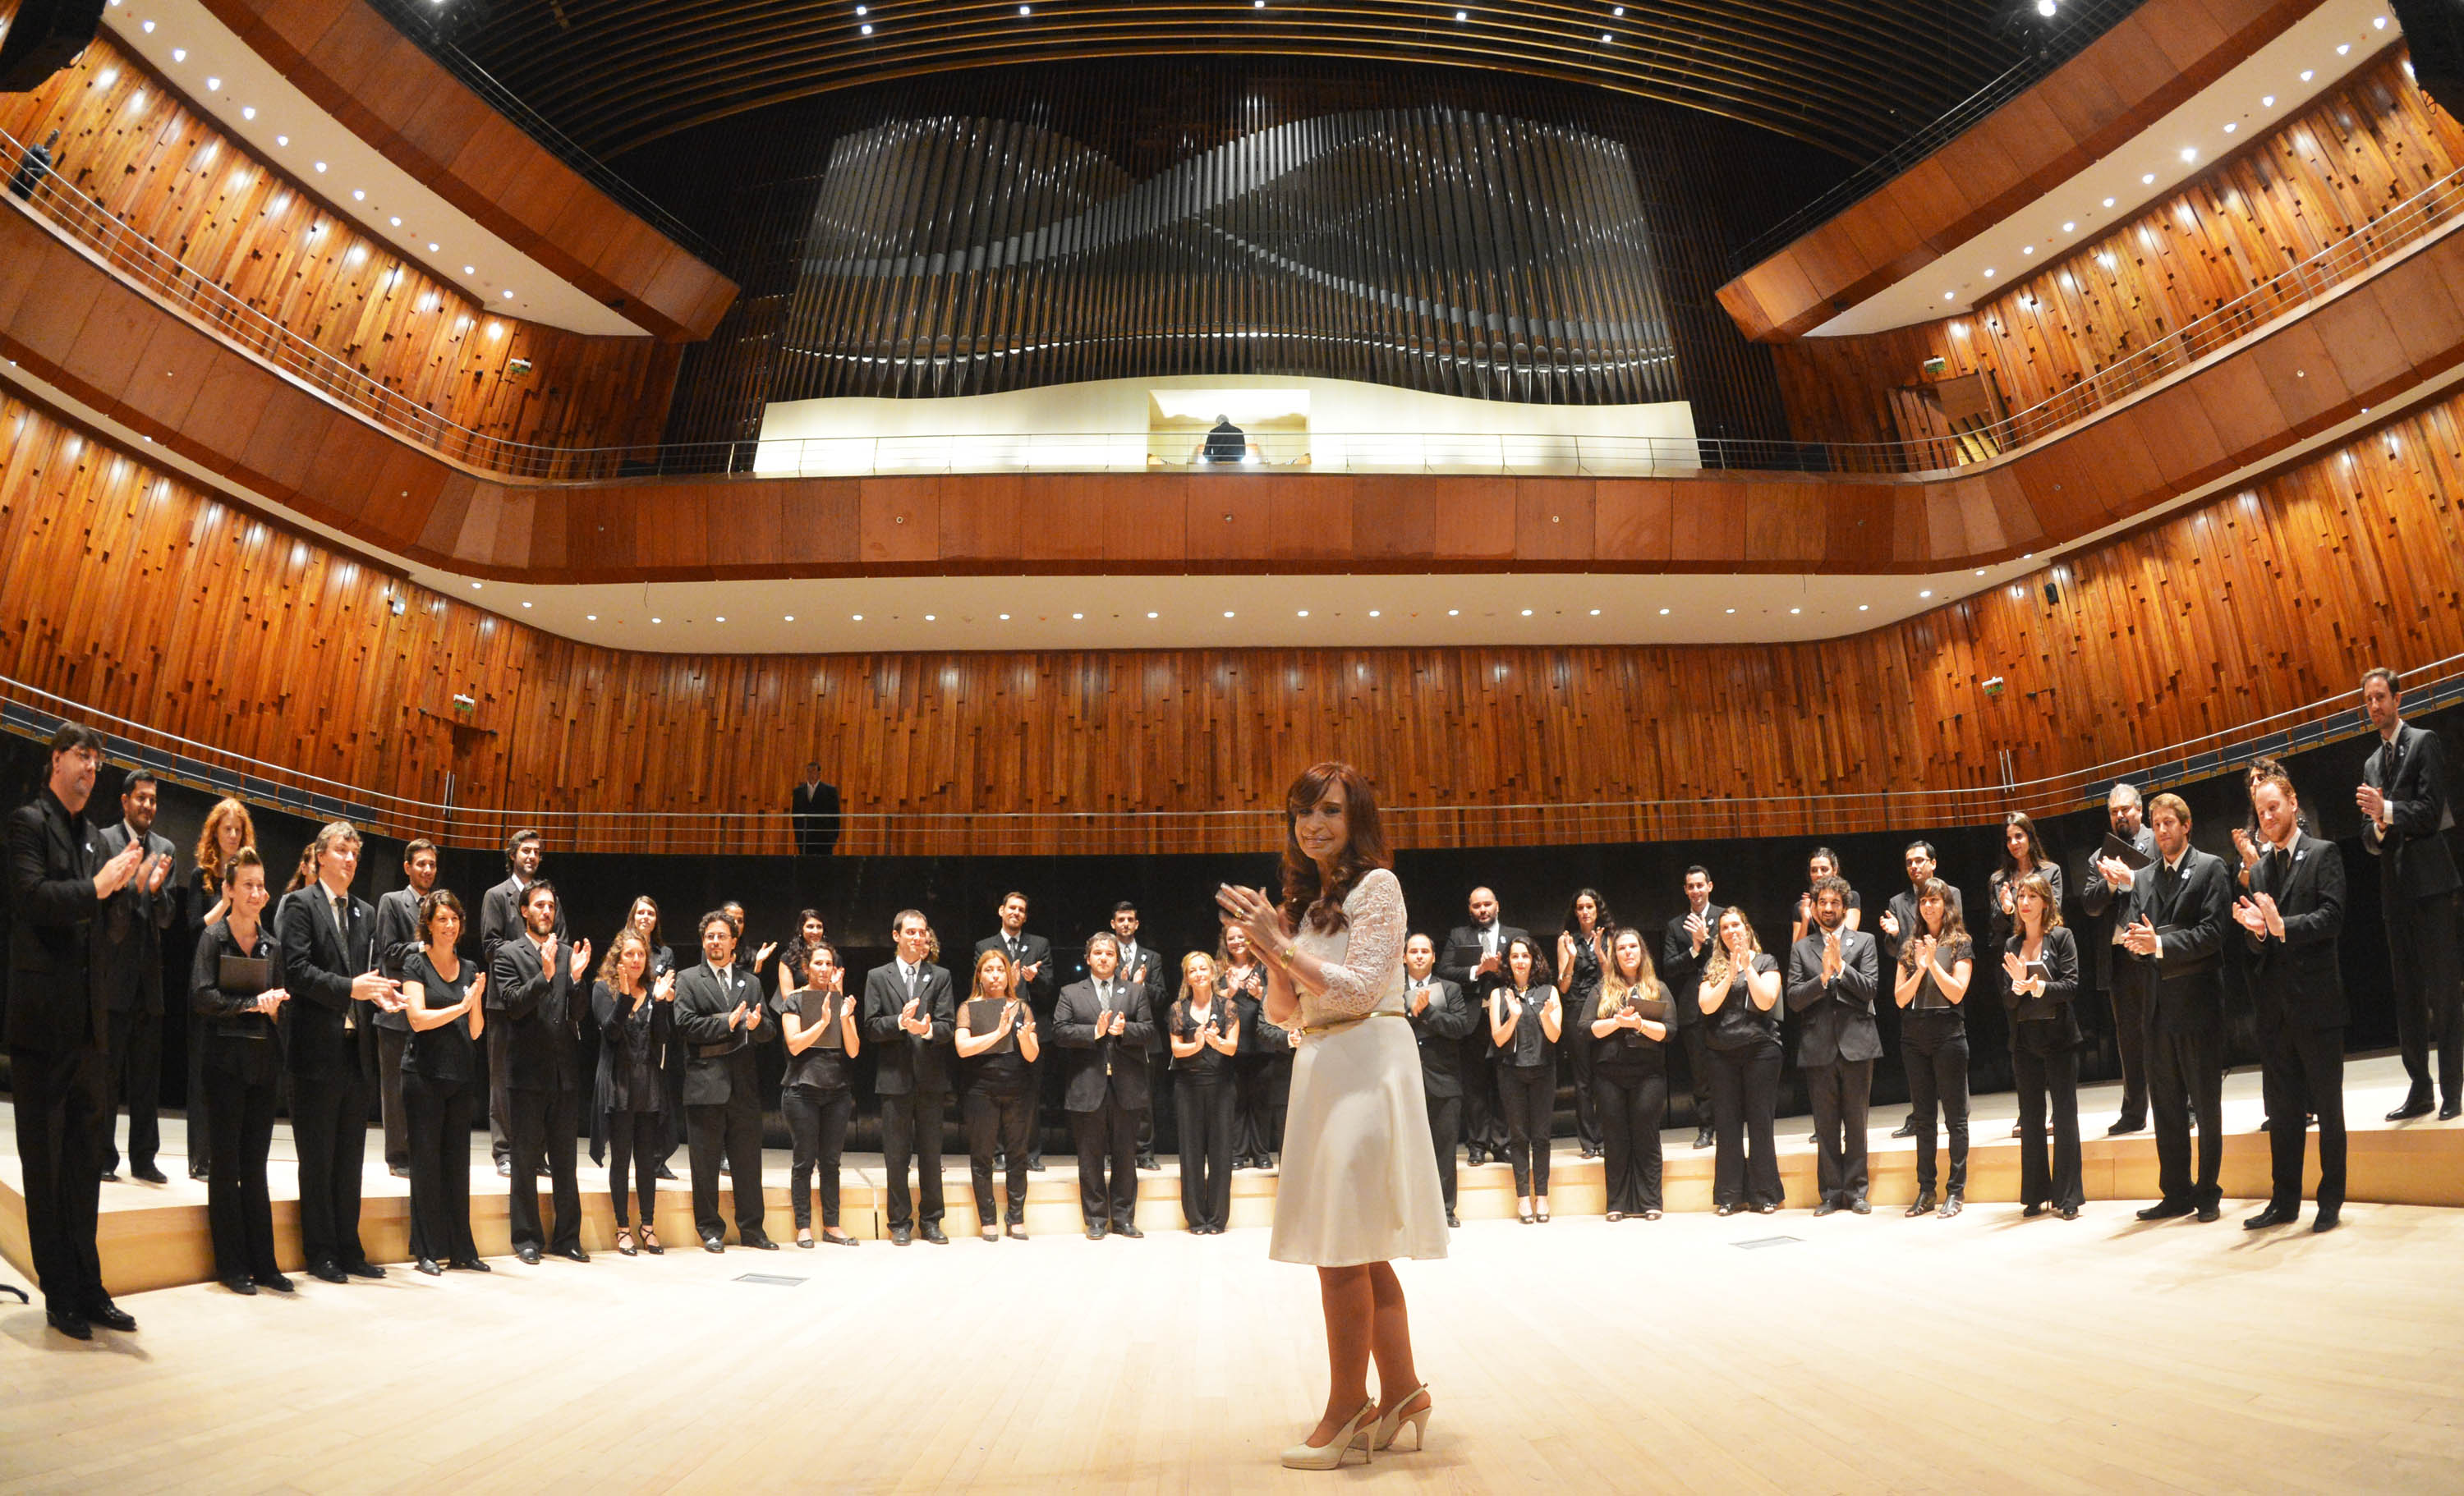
(2434, 30)
(46, 36)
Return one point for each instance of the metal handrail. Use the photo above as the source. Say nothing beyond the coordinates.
(86, 223)
(30, 711)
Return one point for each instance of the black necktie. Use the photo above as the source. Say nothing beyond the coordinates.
(2276, 871)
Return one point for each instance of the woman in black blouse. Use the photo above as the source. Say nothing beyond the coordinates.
(227, 828)
(818, 1021)
(1582, 955)
(444, 1084)
(1740, 999)
(643, 919)
(1263, 1074)
(994, 1076)
(1205, 1034)
(1931, 988)
(1524, 1018)
(235, 992)
(810, 932)
(2040, 965)
(1823, 862)
(635, 1013)
(1630, 1075)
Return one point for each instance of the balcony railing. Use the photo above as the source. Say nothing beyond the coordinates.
(31, 711)
(81, 220)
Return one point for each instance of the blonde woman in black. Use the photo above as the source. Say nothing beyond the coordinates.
(1205, 1032)
(1740, 999)
(1524, 1018)
(996, 1060)
(1631, 1021)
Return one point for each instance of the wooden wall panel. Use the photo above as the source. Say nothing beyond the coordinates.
(2322, 176)
(240, 634)
(162, 168)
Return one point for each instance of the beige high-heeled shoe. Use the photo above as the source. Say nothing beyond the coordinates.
(1354, 1434)
(1393, 1423)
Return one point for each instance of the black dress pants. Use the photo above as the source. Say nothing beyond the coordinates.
(1108, 1145)
(329, 1126)
(2428, 1007)
(2184, 1070)
(2134, 984)
(201, 1126)
(998, 1122)
(1744, 1092)
(544, 1126)
(817, 1128)
(2303, 1073)
(1528, 1094)
(436, 1133)
(1633, 1101)
(732, 1129)
(636, 1142)
(390, 1106)
(239, 1211)
(1580, 1051)
(1446, 1122)
(500, 1137)
(1483, 1110)
(1204, 1106)
(1842, 1094)
(911, 1129)
(1697, 1072)
(2042, 1079)
(62, 1104)
(1936, 1066)
(133, 1061)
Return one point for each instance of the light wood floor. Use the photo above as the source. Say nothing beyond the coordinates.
(1986, 1354)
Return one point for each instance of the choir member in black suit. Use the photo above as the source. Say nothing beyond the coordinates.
(2110, 894)
(635, 1015)
(1104, 1022)
(2403, 805)
(329, 967)
(1739, 996)
(1441, 1015)
(128, 967)
(1038, 982)
(643, 918)
(1833, 977)
(1263, 1074)
(818, 1023)
(748, 960)
(235, 992)
(1631, 1018)
(397, 942)
(1144, 966)
(227, 828)
(444, 1082)
(1205, 1036)
(2041, 983)
(1684, 947)
(910, 1017)
(2180, 930)
(1900, 920)
(500, 919)
(1525, 1016)
(1582, 952)
(996, 1078)
(717, 1015)
(1934, 966)
(814, 806)
(2292, 922)
(534, 991)
(1474, 960)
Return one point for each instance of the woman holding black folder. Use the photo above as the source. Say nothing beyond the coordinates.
(235, 989)
(997, 1043)
(444, 1084)
(1524, 1018)
(1205, 1032)
(635, 1014)
(2040, 971)
(1630, 1076)
(818, 1023)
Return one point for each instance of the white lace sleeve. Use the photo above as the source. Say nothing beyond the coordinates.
(1374, 915)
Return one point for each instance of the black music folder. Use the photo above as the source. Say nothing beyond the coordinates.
(983, 1015)
(2122, 852)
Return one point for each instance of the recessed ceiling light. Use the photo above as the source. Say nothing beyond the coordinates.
(526, 604)
(509, 295)
(2108, 201)
(1951, 296)
(213, 85)
(868, 28)
(147, 25)
(397, 223)
(2148, 179)
(359, 194)
(2070, 228)
(320, 167)
(863, 11)
(658, 619)
(1604, 36)
(1929, 592)
(2344, 47)
(1227, 612)
(791, 617)
(282, 140)
(1082, 616)
(2379, 25)
(2307, 74)
(1595, 612)
(1862, 606)
(1026, 10)
(1980, 571)
(470, 270)
(1372, 612)
(2267, 102)
(1460, 16)
(2189, 153)
(2231, 125)
(1988, 272)
(1450, 612)
(432, 249)
(1732, 610)
(247, 111)
(859, 617)
(1663, 612)
(1620, 11)
(474, 586)
(2028, 249)
(1005, 618)
(1527, 613)
(590, 618)
(179, 54)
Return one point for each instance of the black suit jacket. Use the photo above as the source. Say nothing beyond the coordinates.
(2297, 980)
(1436, 1028)
(1038, 953)
(128, 932)
(53, 1003)
(329, 1030)
(1150, 970)
(2191, 925)
(541, 1014)
(2046, 1024)
(816, 809)
(2420, 864)
(500, 919)
(909, 1064)
(1114, 1068)
(1834, 1018)
(717, 1058)
(2109, 908)
(1463, 953)
(1682, 969)
(397, 942)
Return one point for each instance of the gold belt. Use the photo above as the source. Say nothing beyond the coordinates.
(1341, 1024)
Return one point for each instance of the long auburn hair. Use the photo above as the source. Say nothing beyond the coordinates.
(1613, 985)
(976, 978)
(210, 841)
(1320, 907)
(616, 948)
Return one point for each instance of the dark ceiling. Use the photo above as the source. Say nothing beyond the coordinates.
(1851, 77)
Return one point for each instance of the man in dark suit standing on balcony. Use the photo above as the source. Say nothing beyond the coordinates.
(2403, 799)
(814, 806)
(128, 967)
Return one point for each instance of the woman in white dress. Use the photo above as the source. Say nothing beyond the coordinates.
(1358, 1185)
